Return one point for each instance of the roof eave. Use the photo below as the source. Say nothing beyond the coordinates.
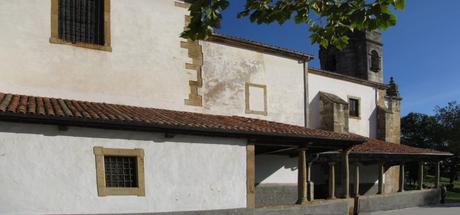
(172, 129)
(233, 41)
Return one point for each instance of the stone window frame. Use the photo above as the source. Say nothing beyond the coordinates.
(247, 100)
(102, 189)
(359, 107)
(54, 39)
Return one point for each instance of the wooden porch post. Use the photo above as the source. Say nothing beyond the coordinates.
(331, 180)
(401, 177)
(437, 173)
(250, 176)
(346, 174)
(420, 175)
(381, 173)
(356, 183)
(302, 177)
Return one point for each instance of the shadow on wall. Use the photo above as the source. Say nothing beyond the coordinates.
(83, 132)
(314, 113)
(281, 168)
(373, 125)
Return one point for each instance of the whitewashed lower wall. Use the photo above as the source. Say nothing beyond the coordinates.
(276, 169)
(45, 170)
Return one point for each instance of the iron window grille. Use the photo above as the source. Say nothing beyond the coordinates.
(120, 171)
(81, 21)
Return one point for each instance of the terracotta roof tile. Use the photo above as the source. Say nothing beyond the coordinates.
(27, 107)
(382, 147)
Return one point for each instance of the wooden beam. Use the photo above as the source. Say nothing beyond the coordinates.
(250, 176)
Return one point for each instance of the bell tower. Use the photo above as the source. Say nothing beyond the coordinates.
(362, 58)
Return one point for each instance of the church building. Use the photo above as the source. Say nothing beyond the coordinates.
(105, 109)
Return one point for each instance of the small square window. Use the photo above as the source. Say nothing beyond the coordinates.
(354, 106)
(120, 171)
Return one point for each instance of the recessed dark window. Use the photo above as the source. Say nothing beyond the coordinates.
(120, 171)
(81, 21)
(375, 61)
(354, 107)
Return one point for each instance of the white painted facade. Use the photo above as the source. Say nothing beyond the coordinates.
(367, 124)
(47, 171)
(48, 168)
(146, 66)
(146, 57)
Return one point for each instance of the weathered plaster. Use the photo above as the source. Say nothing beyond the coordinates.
(227, 69)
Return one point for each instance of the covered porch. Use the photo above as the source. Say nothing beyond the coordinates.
(355, 173)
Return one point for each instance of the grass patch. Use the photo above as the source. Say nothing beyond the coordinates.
(452, 194)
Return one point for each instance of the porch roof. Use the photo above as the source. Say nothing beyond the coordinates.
(375, 151)
(21, 108)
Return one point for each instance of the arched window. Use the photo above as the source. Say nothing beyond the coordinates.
(375, 61)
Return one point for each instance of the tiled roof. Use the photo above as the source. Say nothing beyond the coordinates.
(332, 98)
(374, 146)
(20, 107)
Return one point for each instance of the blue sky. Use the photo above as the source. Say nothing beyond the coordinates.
(422, 51)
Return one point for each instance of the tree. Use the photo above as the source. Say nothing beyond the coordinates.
(449, 119)
(421, 130)
(440, 132)
(330, 21)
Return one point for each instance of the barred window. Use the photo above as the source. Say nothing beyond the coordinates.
(81, 21)
(120, 171)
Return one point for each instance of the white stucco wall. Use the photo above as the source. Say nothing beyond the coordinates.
(367, 124)
(145, 68)
(226, 70)
(276, 169)
(46, 171)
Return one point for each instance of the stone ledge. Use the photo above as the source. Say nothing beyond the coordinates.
(392, 201)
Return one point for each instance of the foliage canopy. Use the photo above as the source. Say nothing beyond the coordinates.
(440, 132)
(329, 21)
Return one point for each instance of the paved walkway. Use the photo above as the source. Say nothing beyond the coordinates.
(445, 209)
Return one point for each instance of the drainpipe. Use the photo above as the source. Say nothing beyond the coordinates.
(306, 97)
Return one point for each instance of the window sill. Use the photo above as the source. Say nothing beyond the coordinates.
(81, 45)
(128, 191)
(355, 117)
